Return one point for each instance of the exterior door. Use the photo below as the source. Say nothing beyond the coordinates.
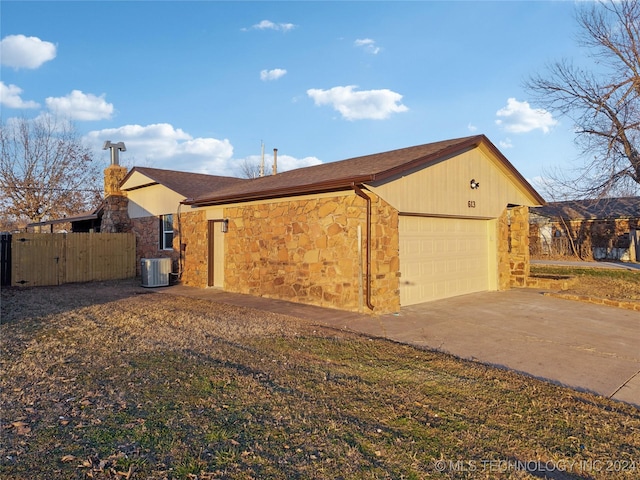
(215, 254)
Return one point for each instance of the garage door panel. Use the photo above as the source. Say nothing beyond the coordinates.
(442, 257)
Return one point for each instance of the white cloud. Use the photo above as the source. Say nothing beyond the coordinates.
(10, 97)
(269, 25)
(163, 146)
(506, 143)
(368, 45)
(274, 74)
(366, 104)
(287, 162)
(19, 51)
(471, 128)
(80, 106)
(519, 117)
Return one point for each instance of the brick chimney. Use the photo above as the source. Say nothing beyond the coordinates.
(115, 218)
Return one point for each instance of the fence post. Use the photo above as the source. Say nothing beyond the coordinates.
(5, 259)
(634, 245)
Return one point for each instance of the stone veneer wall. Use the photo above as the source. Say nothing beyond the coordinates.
(192, 231)
(519, 259)
(306, 250)
(115, 218)
(513, 248)
(504, 268)
(385, 256)
(147, 232)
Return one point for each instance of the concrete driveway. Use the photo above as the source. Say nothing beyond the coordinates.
(582, 346)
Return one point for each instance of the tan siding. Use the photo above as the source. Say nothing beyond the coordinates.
(136, 180)
(444, 188)
(153, 200)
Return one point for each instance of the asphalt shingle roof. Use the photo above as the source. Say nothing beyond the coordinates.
(185, 183)
(341, 174)
(600, 209)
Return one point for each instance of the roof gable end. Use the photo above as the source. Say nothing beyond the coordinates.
(342, 174)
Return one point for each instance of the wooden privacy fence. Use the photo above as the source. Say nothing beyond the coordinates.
(55, 258)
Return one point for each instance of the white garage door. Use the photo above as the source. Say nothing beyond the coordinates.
(442, 257)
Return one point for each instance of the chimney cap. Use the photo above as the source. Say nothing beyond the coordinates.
(115, 148)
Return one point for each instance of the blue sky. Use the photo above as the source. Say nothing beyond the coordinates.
(197, 86)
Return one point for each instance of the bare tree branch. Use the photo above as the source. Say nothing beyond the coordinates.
(603, 102)
(45, 171)
(251, 169)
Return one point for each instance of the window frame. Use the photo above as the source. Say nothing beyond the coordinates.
(162, 241)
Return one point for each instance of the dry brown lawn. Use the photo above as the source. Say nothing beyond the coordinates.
(109, 380)
(614, 284)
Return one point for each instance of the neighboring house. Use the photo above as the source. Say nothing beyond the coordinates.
(371, 233)
(605, 229)
(81, 223)
(153, 205)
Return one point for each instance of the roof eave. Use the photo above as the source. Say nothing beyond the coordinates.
(345, 183)
(472, 142)
(456, 149)
(333, 186)
(64, 220)
(137, 187)
(516, 174)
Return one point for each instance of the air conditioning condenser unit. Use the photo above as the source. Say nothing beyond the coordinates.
(155, 272)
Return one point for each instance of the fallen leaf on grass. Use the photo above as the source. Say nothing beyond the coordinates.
(126, 475)
(22, 428)
(68, 458)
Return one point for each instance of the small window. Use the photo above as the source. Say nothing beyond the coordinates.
(166, 232)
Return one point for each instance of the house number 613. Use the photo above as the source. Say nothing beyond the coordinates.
(471, 204)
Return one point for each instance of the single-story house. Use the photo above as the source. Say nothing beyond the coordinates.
(599, 229)
(370, 234)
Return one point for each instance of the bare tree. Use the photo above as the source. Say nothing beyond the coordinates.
(45, 171)
(603, 100)
(250, 169)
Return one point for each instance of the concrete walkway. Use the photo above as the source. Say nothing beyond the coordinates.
(586, 347)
